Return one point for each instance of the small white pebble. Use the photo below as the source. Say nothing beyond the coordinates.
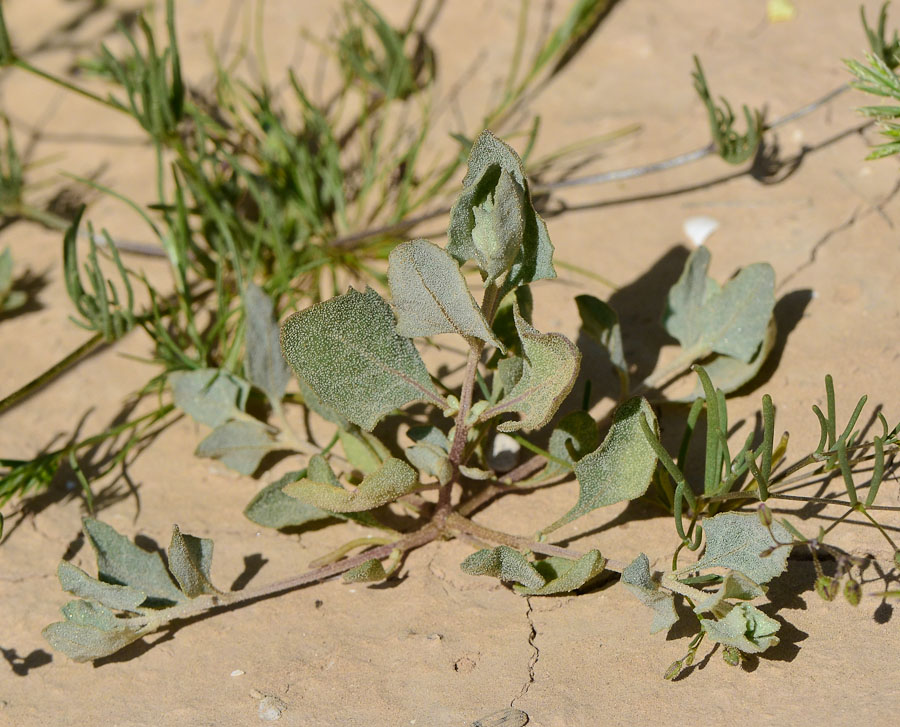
(238, 673)
(698, 229)
(270, 708)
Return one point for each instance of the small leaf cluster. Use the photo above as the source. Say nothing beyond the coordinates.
(132, 588)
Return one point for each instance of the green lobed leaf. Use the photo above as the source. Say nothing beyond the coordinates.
(483, 189)
(745, 627)
(731, 320)
(735, 585)
(393, 479)
(601, 323)
(265, 364)
(82, 642)
(637, 578)
(504, 563)
(121, 561)
(548, 374)
(736, 541)
(77, 582)
(210, 396)
(190, 559)
(240, 445)
(430, 295)
(620, 468)
(348, 352)
(369, 572)
(564, 575)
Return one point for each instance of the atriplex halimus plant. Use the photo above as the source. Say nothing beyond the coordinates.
(356, 362)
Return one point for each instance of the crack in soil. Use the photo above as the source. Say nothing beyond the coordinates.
(535, 655)
(858, 214)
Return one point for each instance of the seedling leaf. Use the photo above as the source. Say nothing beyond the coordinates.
(737, 540)
(346, 349)
(548, 373)
(620, 468)
(504, 563)
(490, 246)
(735, 585)
(564, 575)
(745, 627)
(393, 479)
(637, 578)
(429, 454)
(369, 572)
(210, 396)
(240, 445)
(122, 562)
(190, 559)
(266, 367)
(430, 295)
(77, 582)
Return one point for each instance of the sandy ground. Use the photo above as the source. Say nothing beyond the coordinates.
(436, 647)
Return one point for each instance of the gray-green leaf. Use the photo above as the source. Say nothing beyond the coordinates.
(348, 352)
(549, 371)
(483, 189)
(77, 582)
(620, 468)
(730, 320)
(430, 295)
(240, 445)
(121, 561)
(576, 431)
(728, 373)
(266, 367)
(88, 613)
(504, 563)
(271, 508)
(83, 642)
(564, 575)
(637, 578)
(210, 396)
(190, 559)
(745, 627)
(601, 323)
(499, 226)
(393, 479)
(737, 540)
